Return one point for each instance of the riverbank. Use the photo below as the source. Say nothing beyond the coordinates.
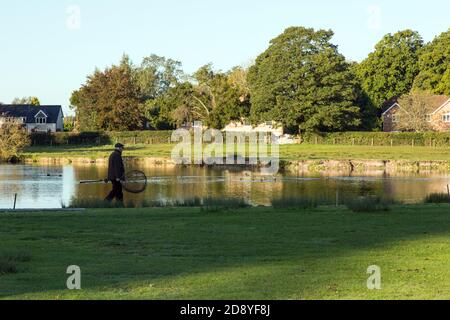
(294, 158)
(255, 253)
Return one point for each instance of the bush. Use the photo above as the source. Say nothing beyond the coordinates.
(99, 138)
(438, 139)
(13, 139)
(437, 198)
(223, 204)
(94, 204)
(10, 260)
(369, 204)
(295, 203)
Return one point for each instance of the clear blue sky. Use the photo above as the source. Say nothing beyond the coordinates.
(47, 51)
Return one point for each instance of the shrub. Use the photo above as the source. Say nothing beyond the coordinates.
(295, 203)
(9, 261)
(223, 204)
(439, 139)
(437, 198)
(94, 204)
(13, 139)
(369, 204)
(100, 138)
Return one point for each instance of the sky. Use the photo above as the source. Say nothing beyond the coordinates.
(49, 47)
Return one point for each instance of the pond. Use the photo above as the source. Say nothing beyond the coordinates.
(52, 187)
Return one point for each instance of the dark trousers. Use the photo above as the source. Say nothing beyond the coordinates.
(116, 192)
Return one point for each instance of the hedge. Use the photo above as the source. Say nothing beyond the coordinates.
(100, 138)
(437, 139)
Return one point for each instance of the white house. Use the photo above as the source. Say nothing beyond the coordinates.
(33, 118)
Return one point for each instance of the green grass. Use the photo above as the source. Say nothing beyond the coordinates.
(252, 253)
(287, 152)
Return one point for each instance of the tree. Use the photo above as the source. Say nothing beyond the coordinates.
(173, 108)
(390, 70)
(156, 75)
(109, 101)
(220, 97)
(434, 66)
(13, 139)
(69, 124)
(34, 101)
(302, 81)
(412, 116)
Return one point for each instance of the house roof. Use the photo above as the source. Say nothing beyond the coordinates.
(29, 112)
(433, 102)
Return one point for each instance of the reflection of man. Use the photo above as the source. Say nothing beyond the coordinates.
(116, 173)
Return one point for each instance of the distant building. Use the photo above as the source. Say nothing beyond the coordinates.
(33, 118)
(438, 113)
(266, 127)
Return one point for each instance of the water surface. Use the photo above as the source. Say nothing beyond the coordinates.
(40, 186)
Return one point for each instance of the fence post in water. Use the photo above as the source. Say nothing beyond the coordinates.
(15, 200)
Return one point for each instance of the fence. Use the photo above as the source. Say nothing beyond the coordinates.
(428, 139)
(100, 138)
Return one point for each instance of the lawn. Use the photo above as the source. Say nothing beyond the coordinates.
(287, 152)
(257, 253)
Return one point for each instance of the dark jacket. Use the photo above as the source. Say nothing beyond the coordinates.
(116, 169)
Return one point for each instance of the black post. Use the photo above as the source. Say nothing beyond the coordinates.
(15, 200)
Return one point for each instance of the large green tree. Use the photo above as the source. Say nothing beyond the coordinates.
(303, 81)
(434, 66)
(390, 70)
(156, 75)
(109, 100)
(220, 97)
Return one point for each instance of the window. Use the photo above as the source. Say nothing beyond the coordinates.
(428, 117)
(41, 120)
(395, 118)
(446, 117)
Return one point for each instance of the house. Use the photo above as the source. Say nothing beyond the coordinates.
(33, 118)
(244, 126)
(268, 127)
(438, 113)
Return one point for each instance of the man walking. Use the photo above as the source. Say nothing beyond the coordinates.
(116, 173)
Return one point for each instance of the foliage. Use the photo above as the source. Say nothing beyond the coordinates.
(171, 109)
(390, 70)
(296, 203)
(368, 204)
(434, 66)
(220, 97)
(302, 81)
(437, 198)
(223, 204)
(412, 116)
(96, 138)
(438, 139)
(156, 75)
(69, 124)
(34, 101)
(13, 139)
(109, 100)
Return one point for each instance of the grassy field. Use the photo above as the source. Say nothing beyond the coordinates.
(287, 152)
(257, 253)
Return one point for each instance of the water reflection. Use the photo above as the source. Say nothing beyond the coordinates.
(53, 186)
